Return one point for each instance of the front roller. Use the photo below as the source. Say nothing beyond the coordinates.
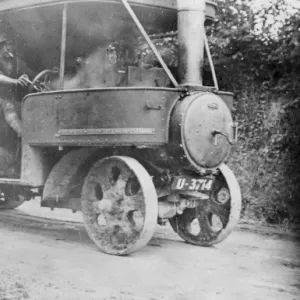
(213, 219)
(119, 205)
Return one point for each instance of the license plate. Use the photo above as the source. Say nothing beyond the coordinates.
(192, 184)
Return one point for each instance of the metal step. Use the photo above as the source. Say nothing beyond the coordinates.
(13, 181)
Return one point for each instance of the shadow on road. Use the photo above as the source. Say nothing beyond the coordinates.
(68, 231)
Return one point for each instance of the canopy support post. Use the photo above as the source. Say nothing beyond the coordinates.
(212, 68)
(63, 46)
(150, 43)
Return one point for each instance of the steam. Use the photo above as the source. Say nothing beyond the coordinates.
(98, 70)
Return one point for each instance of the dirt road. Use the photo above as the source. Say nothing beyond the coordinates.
(46, 259)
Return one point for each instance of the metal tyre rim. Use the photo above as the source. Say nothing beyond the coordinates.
(213, 220)
(10, 198)
(119, 205)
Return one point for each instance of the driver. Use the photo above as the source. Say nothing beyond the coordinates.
(7, 84)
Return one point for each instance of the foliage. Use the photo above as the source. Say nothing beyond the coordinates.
(257, 56)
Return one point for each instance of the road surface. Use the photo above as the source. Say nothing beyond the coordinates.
(46, 259)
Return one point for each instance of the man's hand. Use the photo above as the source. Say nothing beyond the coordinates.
(23, 81)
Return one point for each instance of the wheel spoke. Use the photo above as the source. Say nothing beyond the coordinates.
(136, 220)
(220, 210)
(135, 203)
(116, 192)
(118, 226)
(206, 231)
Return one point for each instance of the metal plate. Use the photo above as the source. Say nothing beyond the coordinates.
(105, 131)
(184, 183)
(104, 117)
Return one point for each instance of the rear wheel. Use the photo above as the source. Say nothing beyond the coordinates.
(119, 205)
(214, 219)
(10, 197)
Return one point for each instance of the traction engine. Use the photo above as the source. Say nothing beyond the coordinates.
(132, 157)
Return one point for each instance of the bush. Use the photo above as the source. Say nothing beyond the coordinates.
(262, 68)
(258, 60)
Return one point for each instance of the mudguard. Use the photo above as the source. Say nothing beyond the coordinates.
(67, 173)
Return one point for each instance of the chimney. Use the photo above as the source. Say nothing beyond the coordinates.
(191, 17)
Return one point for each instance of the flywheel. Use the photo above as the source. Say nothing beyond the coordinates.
(119, 205)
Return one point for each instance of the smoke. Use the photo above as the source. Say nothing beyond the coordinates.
(98, 70)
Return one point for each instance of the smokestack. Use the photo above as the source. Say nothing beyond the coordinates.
(191, 17)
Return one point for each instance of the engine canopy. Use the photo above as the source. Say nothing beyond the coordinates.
(201, 130)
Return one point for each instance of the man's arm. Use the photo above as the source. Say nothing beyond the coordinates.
(22, 81)
(5, 80)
